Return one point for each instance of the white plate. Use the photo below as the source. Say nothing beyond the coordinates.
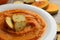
(51, 24)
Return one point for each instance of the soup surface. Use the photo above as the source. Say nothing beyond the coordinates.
(19, 24)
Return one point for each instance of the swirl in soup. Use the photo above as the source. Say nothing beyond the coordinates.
(20, 24)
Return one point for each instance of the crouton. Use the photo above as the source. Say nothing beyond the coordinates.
(19, 22)
(9, 22)
(18, 18)
(19, 25)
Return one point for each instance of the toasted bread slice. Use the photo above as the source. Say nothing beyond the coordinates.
(18, 18)
(9, 22)
(41, 4)
(19, 21)
(58, 27)
(52, 9)
(58, 37)
(18, 2)
(19, 25)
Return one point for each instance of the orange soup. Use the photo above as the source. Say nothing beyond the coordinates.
(20, 24)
